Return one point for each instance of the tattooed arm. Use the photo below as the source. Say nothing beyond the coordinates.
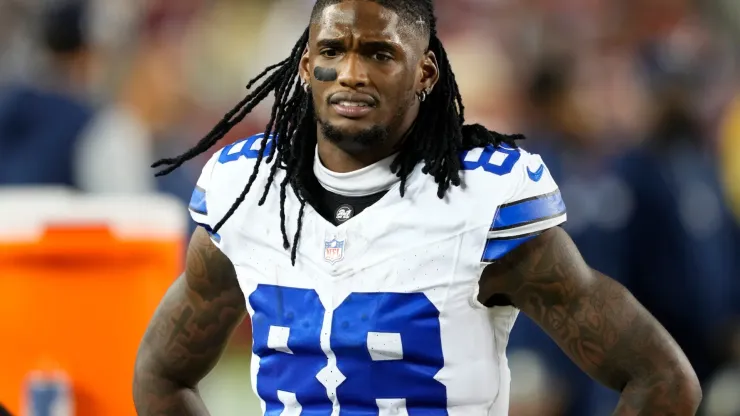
(598, 323)
(188, 333)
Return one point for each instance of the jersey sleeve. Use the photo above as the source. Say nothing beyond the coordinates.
(199, 201)
(536, 205)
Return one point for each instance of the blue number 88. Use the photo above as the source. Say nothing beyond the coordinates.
(287, 325)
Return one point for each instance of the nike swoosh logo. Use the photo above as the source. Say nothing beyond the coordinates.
(536, 175)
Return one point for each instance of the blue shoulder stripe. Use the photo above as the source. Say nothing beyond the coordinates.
(198, 201)
(499, 247)
(529, 211)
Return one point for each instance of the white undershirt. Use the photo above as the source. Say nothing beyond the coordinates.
(366, 181)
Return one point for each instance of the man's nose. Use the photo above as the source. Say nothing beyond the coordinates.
(353, 74)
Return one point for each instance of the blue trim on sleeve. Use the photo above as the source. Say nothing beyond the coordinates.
(198, 201)
(498, 247)
(529, 211)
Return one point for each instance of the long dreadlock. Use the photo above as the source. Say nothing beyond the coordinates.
(437, 138)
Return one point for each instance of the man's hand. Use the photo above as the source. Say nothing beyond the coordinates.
(598, 323)
(188, 333)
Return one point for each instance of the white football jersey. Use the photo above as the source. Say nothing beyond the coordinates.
(379, 315)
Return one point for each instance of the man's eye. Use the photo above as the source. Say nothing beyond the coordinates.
(382, 57)
(329, 53)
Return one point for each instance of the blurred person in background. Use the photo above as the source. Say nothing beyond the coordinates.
(668, 207)
(680, 242)
(567, 124)
(51, 131)
(41, 123)
(360, 117)
(681, 232)
(681, 229)
(121, 138)
(146, 102)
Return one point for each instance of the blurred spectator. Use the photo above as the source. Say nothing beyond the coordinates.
(40, 127)
(120, 140)
(64, 33)
(146, 105)
(680, 243)
(568, 133)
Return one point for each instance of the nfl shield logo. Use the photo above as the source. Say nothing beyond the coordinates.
(333, 250)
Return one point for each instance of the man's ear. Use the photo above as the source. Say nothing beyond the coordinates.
(304, 69)
(429, 70)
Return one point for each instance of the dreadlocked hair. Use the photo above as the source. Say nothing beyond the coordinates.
(435, 140)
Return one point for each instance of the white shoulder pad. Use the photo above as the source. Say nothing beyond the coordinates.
(536, 205)
(214, 191)
(198, 206)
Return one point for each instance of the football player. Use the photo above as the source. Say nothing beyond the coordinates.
(383, 249)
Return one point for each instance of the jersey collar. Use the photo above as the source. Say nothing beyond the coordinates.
(366, 181)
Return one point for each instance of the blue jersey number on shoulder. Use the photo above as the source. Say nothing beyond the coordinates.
(387, 347)
(499, 160)
(250, 149)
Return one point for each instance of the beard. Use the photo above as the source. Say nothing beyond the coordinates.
(373, 137)
(356, 141)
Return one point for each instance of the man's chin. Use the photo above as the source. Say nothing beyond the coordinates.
(350, 126)
(354, 134)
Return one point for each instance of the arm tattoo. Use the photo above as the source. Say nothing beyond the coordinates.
(598, 323)
(188, 333)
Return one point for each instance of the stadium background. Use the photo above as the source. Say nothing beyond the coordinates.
(634, 105)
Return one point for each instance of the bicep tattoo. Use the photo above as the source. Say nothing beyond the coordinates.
(197, 315)
(593, 318)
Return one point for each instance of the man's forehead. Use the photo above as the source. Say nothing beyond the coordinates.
(367, 20)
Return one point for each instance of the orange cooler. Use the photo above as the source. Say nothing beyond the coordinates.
(80, 277)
